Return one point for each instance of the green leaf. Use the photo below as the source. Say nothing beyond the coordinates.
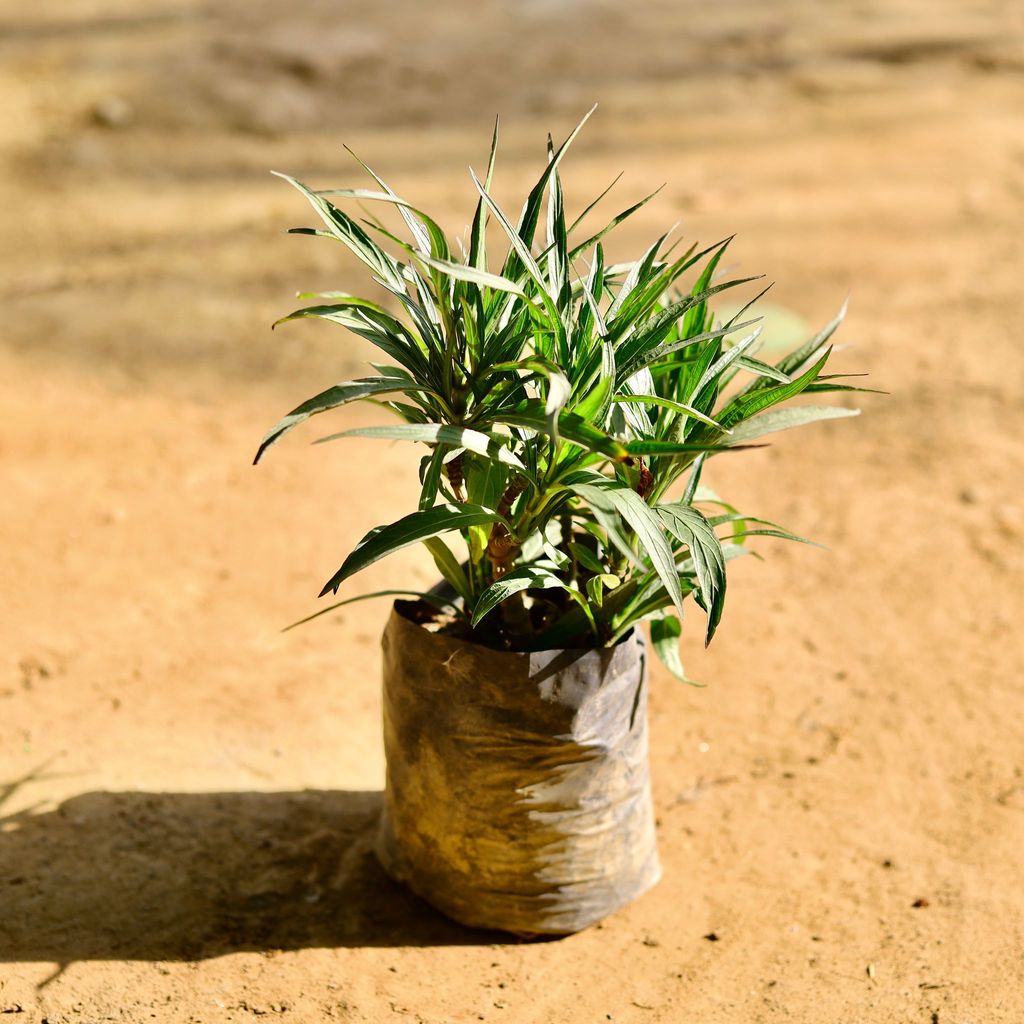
(589, 289)
(780, 534)
(434, 599)
(647, 345)
(597, 585)
(759, 369)
(527, 226)
(668, 403)
(665, 633)
(718, 367)
(417, 526)
(450, 568)
(347, 231)
(430, 475)
(438, 433)
(691, 528)
(519, 246)
(690, 491)
(796, 359)
(351, 301)
(557, 248)
(572, 427)
(558, 394)
(522, 250)
(380, 329)
(594, 407)
(785, 419)
(822, 386)
(478, 244)
(429, 237)
(526, 577)
(586, 557)
(558, 390)
(749, 404)
(639, 273)
(593, 203)
(611, 498)
(332, 398)
(330, 312)
(481, 278)
(485, 481)
(678, 447)
(613, 223)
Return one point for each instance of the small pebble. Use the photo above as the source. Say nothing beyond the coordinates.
(113, 112)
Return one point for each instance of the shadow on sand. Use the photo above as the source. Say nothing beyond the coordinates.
(183, 876)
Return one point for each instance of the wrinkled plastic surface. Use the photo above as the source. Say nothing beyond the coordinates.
(518, 791)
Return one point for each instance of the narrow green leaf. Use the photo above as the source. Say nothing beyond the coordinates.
(665, 633)
(668, 403)
(430, 475)
(691, 528)
(347, 231)
(644, 447)
(332, 398)
(527, 225)
(690, 491)
(822, 386)
(478, 234)
(557, 245)
(520, 247)
(417, 526)
(759, 369)
(587, 288)
(586, 557)
(780, 534)
(329, 312)
(351, 300)
(749, 404)
(450, 568)
(429, 237)
(594, 407)
(437, 433)
(522, 250)
(481, 278)
(597, 585)
(558, 394)
(434, 599)
(531, 414)
(716, 369)
(796, 359)
(612, 224)
(649, 351)
(526, 577)
(613, 498)
(785, 419)
(593, 203)
(380, 329)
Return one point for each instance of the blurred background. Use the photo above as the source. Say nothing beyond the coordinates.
(859, 747)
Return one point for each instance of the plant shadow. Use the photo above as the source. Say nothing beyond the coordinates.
(185, 876)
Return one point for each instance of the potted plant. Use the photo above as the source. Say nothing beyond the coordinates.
(568, 406)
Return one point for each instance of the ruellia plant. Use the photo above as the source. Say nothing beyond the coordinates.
(567, 407)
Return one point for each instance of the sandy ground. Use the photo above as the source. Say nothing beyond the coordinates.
(186, 794)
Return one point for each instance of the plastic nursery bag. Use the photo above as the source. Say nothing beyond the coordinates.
(518, 791)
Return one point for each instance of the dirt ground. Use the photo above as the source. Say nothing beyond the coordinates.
(187, 794)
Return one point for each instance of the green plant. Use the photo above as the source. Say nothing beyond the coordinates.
(560, 400)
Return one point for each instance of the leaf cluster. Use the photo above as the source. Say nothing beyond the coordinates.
(559, 399)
